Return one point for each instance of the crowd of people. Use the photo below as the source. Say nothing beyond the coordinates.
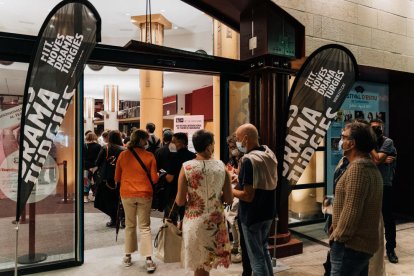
(225, 211)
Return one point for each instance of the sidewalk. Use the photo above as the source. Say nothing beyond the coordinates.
(107, 260)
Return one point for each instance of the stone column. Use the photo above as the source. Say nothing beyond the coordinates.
(151, 82)
(88, 114)
(226, 44)
(111, 107)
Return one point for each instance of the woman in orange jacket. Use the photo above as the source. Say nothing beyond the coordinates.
(136, 194)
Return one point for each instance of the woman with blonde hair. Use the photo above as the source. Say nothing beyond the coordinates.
(136, 194)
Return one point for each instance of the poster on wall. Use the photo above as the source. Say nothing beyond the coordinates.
(64, 44)
(189, 125)
(9, 156)
(365, 101)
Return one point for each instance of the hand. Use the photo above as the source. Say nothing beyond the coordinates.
(234, 178)
(389, 159)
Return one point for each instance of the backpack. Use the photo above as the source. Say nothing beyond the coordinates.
(153, 144)
(106, 171)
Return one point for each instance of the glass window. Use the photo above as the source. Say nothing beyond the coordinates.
(305, 204)
(239, 104)
(49, 214)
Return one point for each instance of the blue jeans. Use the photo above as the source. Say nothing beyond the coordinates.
(348, 262)
(255, 237)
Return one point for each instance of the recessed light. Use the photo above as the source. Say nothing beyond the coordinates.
(175, 27)
(127, 14)
(51, 26)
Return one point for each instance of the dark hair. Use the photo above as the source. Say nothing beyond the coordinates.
(87, 132)
(231, 139)
(361, 121)
(136, 138)
(150, 127)
(91, 137)
(126, 140)
(202, 139)
(114, 137)
(181, 136)
(377, 121)
(105, 133)
(363, 135)
(167, 135)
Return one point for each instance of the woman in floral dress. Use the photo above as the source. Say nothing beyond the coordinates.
(202, 186)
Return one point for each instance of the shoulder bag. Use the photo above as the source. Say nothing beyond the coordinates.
(158, 190)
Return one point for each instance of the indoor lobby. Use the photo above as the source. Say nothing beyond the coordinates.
(167, 61)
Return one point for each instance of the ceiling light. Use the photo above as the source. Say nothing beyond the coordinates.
(127, 14)
(175, 28)
(51, 26)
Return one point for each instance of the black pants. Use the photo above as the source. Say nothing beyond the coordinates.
(247, 269)
(389, 222)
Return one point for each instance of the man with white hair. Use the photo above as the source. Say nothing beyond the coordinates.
(256, 192)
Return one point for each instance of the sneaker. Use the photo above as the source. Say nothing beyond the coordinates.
(91, 198)
(126, 261)
(237, 258)
(150, 266)
(392, 257)
(85, 199)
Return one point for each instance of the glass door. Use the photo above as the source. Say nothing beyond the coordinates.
(48, 227)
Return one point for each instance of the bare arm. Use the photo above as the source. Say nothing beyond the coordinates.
(247, 194)
(378, 157)
(182, 189)
(227, 193)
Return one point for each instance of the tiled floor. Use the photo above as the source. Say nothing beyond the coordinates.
(107, 260)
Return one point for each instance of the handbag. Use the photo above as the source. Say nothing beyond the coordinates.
(168, 242)
(158, 196)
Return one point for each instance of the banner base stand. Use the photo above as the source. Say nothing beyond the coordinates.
(67, 201)
(32, 258)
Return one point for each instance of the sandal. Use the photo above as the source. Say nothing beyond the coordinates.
(150, 266)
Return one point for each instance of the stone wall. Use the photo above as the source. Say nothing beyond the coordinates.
(380, 33)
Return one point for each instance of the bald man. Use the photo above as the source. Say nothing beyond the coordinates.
(256, 192)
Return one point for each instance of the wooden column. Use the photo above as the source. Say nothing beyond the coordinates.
(151, 82)
(226, 44)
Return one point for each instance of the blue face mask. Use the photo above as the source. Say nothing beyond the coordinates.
(240, 147)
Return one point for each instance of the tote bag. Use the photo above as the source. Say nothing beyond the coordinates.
(168, 243)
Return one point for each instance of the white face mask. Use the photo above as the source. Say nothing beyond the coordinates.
(240, 147)
(172, 147)
(340, 144)
(344, 151)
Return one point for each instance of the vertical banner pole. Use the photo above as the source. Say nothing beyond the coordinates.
(17, 245)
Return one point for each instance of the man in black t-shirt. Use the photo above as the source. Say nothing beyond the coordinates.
(178, 145)
(384, 157)
(256, 191)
